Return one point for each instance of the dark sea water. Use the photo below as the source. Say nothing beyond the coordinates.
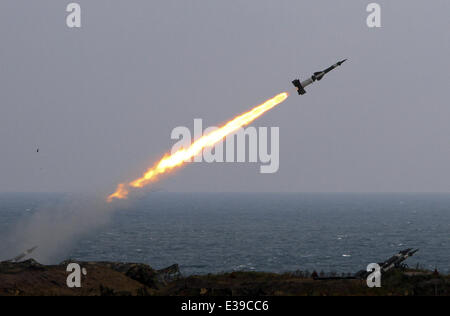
(208, 233)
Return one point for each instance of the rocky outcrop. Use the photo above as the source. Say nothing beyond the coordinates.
(124, 279)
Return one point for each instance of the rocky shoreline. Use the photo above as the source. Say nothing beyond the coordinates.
(29, 278)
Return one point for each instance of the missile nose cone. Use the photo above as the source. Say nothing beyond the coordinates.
(342, 61)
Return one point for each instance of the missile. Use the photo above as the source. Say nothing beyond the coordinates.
(395, 261)
(23, 255)
(317, 76)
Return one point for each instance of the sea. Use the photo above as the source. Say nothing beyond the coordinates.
(272, 232)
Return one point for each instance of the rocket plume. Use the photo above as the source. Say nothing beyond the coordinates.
(177, 159)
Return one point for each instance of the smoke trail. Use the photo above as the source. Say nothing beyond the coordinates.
(177, 159)
(56, 227)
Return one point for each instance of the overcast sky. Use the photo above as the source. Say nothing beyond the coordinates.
(101, 101)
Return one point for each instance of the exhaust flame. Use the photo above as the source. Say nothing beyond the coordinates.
(169, 162)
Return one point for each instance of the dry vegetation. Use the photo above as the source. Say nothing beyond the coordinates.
(31, 278)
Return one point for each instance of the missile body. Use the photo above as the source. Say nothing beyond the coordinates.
(395, 261)
(317, 76)
(23, 255)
